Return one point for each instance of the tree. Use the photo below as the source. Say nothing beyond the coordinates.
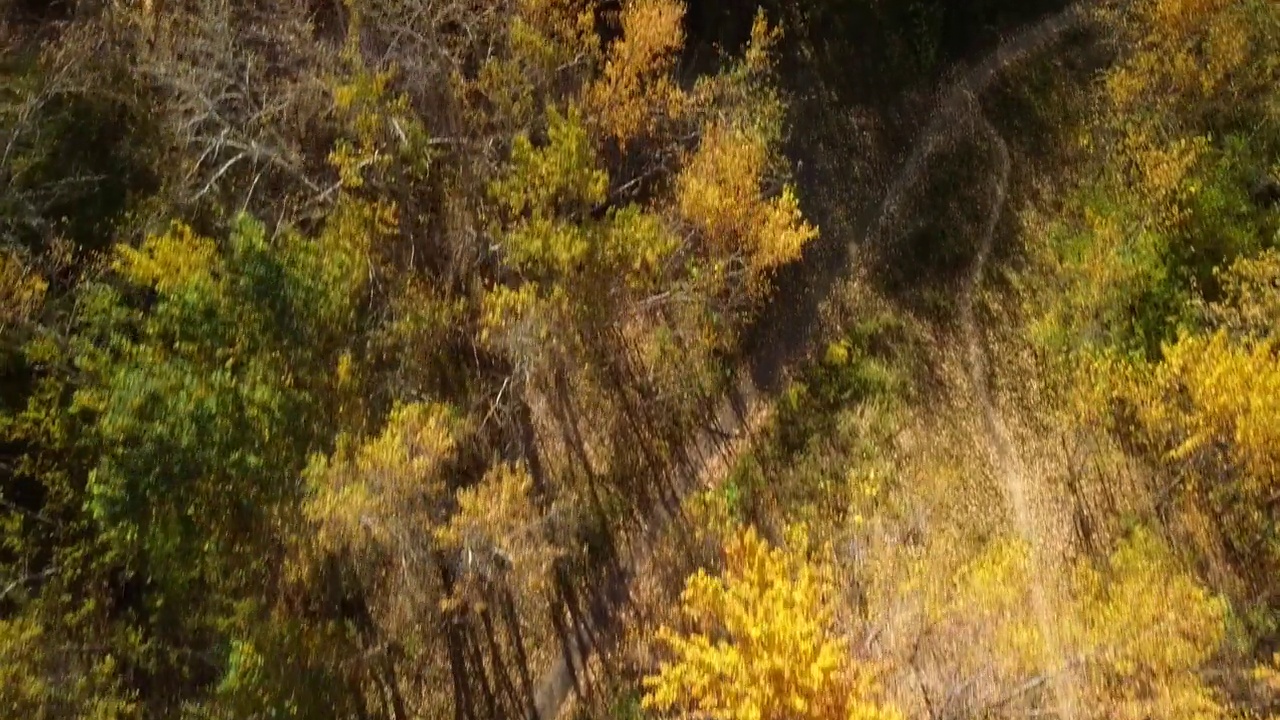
(384, 292)
(1148, 630)
(1209, 411)
(762, 645)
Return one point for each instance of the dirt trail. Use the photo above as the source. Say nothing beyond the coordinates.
(952, 103)
(739, 415)
(1006, 460)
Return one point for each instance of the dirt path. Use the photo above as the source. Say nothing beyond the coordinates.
(1006, 460)
(952, 104)
(740, 415)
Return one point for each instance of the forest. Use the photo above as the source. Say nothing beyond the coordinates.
(640, 359)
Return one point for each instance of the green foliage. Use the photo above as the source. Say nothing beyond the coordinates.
(1207, 411)
(1170, 199)
(279, 666)
(167, 440)
(31, 687)
(865, 365)
(822, 457)
(223, 375)
(1131, 271)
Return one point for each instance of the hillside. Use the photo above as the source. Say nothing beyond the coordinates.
(558, 358)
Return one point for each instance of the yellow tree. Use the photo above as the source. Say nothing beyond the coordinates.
(763, 645)
(635, 222)
(1211, 408)
(1147, 631)
(21, 290)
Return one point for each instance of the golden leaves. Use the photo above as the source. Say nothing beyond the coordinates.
(37, 681)
(551, 190)
(636, 85)
(720, 195)
(545, 188)
(1147, 630)
(1214, 392)
(759, 56)
(719, 188)
(21, 290)
(547, 45)
(1250, 307)
(1184, 51)
(764, 648)
(169, 261)
(1210, 409)
(569, 24)
(784, 232)
(496, 534)
(1132, 632)
(985, 604)
(373, 494)
(1219, 391)
(562, 174)
(1163, 172)
(380, 124)
(601, 188)
(638, 242)
(507, 309)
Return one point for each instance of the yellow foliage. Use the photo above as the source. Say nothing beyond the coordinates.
(21, 689)
(568, 224)
(1187, 70)
(1251, 306)
(1183, 51)
(638, 242)
(569, 24)
(40, 679)
(1162, 172)
(497, 534)
(636, 83)
(373, 494)
(380, 123)
(1222, 394)
(546, 40)
(1269, 675)
(352, 231)
(719, 187)
(993, 590)
(563, 172)
(764, 648)
(544, 244)
(170, 261)
(1147, 631)
(758, 58)
(1128, 637)
(359, 99)
(1212, 406)
(720, 194)
(784, 232)
(21, 290)
(549, 188)
(506, 308)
